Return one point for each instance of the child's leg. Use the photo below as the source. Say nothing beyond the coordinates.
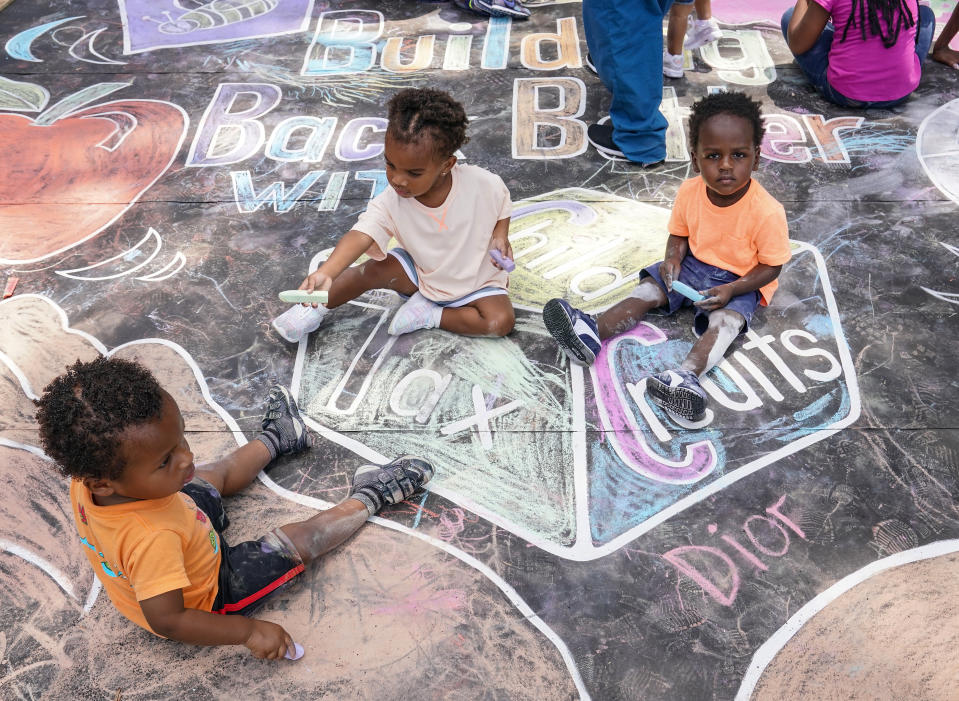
(487, 316)
(709, 349)
(704, 9)
(372, 275)
(676, 29)
(624, 315)
(374, 486)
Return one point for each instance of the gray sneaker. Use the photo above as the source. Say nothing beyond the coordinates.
(379, 485)
(283, 430)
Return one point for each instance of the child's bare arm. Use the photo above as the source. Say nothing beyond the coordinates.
(676, 249)
(806, 25)
(500, 238)
(718, 297)
(353, 244)
(168, 617)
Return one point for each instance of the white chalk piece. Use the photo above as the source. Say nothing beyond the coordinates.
(297, 652)
(687, 291)
(505, 263)
(304, 297)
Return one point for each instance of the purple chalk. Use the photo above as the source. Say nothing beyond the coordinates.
(297, 652)
(505, 263)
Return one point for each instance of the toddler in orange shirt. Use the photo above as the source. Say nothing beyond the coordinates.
(151, 522)
(728, 240)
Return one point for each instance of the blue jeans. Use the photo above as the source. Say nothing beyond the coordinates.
(625, 39)
(815, 62)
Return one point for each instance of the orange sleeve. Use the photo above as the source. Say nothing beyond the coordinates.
(155, 566)
(772, 238)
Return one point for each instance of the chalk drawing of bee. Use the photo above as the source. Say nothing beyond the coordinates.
(199, 15)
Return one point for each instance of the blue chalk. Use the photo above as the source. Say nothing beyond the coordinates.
(687, 291)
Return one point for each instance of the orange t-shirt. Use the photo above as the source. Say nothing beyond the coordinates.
(735, 238)
(142, 549)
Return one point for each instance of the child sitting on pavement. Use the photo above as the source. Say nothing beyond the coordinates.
(728, 239)
(446, 219)
(151, 523)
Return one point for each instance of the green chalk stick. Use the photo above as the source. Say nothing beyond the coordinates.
(303, 297)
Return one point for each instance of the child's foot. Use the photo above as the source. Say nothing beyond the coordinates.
(575, 332)
(702, 32)
(495, 8)
(299, 321)
(283, 430)
(416, 313)
(672, 65)
(679, 393)
(379, 485)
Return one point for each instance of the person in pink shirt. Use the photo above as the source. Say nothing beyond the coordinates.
(860, 53)
(445, 217)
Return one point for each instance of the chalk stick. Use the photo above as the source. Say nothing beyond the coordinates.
(297, 652)
(303, 297)
(686, 291)
(10, 286)
(505, 263)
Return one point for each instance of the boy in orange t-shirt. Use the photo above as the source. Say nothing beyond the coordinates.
(728, 240)
(151, 523)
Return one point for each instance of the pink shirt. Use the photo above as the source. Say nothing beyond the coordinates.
(449, 244)
(867, 70)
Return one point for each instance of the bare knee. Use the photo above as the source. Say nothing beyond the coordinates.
(500, 323)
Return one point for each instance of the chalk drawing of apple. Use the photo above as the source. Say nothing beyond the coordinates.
(72, 170)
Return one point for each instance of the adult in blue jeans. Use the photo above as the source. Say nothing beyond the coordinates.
(860, 53)
(625, 39)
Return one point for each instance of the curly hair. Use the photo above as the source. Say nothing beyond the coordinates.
(735, 103)
(83, 412)
(417, 113)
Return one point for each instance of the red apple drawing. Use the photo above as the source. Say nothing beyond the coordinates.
(68, 174)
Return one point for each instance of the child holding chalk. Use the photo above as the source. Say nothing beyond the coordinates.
(151, 522)
(728, 240)
(445, 217)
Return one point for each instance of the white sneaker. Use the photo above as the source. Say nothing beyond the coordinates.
(298, 321)
(672, 65)
(702, 32)
(417, 313)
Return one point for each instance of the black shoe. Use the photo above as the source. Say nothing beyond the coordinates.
(601, 137)
(283, 430)
(379, 485)
(588, 62)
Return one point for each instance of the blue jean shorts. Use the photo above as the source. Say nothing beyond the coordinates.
(703, 276)
(249, 571)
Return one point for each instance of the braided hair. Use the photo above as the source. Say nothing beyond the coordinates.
(884, 19)
(735, 103)
(84, 411)
(415, 114)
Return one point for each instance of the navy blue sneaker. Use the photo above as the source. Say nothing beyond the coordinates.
(576, 332)
(679, 393)
(284, 432)
(495, 8)
(379, 485)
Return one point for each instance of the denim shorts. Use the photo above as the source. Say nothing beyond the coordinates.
(252, 570)
(406, 260)
(703, 276)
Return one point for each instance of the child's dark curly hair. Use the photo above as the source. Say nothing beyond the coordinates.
(83, 412)
(417, 113)
(734, 103)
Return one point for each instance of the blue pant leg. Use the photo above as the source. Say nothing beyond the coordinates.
(815, 62)
(927, 27)
(625, 39)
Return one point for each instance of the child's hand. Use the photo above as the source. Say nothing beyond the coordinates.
(946, 55)
(316, 281)
(268, 641)
(716, 298)
(503, 246)
(669, 271)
